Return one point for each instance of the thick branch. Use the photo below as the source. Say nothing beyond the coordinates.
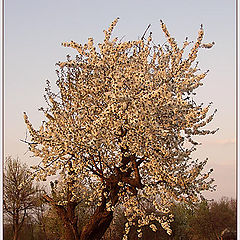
(67, 216)
(102, 218)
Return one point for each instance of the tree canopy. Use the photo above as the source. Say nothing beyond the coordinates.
(122, 124)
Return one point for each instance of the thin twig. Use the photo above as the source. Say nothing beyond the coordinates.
(122, 38)
(145, 31)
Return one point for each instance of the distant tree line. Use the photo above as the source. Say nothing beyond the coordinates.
(28, 216)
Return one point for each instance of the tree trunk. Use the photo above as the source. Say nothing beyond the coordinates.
(69, 232)
(97, 225)
(101, 219)
(16, 235)
(16, 227)
(67, 216)
(15, 232)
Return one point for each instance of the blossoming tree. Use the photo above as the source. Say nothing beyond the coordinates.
(122, 124)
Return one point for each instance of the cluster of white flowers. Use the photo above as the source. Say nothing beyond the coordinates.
(125, 113)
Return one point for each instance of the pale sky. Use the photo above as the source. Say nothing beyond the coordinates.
(34, 31)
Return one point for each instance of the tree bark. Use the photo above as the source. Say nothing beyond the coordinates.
(69, 225)
(97, 225)
(15, 232)
(16, 227)
(68, 219)
(101, 219)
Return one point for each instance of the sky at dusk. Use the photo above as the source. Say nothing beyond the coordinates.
(34, 31)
